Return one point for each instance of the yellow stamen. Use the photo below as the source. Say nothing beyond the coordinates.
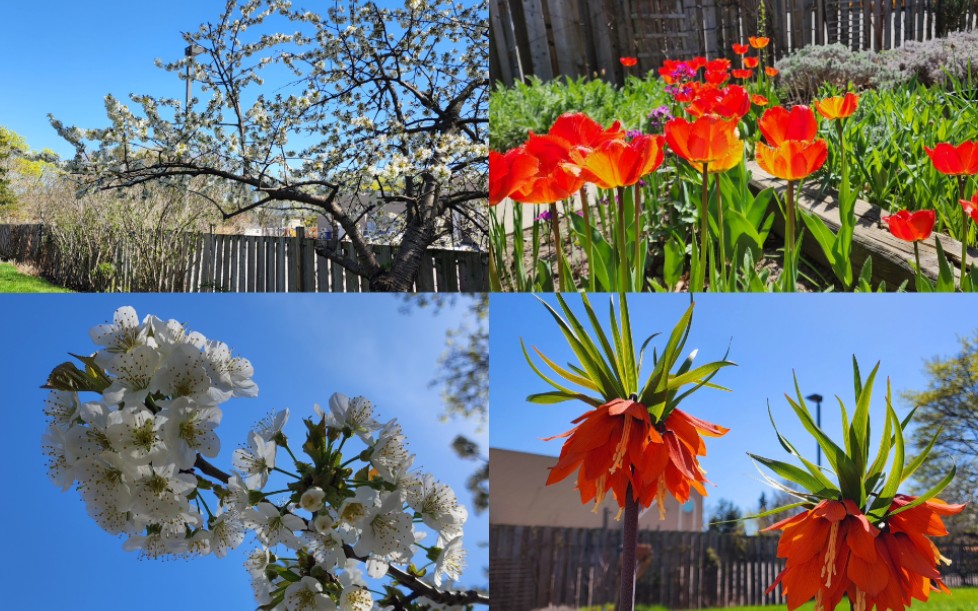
(600, 492)
(660, 497)
(622, 445)
(830, 555)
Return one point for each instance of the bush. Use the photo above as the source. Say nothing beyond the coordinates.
(931, 62)
(806, 71)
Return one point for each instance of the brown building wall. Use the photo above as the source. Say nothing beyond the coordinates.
(518, 496)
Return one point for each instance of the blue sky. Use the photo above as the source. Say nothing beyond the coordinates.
(303, 349)
(769, 336)
(64, 57)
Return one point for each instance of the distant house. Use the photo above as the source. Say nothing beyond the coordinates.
(520, 497)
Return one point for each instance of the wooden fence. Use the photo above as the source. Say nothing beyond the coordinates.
(232, 263)
(535, 567)
(548, 38)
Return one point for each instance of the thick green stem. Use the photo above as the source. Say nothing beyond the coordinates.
(555, 225)
(626, 596)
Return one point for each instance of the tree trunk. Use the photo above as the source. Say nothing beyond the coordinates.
(417, 238)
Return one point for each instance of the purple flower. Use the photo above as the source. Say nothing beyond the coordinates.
(632, 134)
(544, 216)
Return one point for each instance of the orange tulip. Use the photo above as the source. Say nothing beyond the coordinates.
(953, 160)
(778, 124)
(556, 177)
(759, 42)
(771, 71)
(628, 62)
(758, 99)
(792, 159)
(971, 207)
(739, 49)
(911, 226)
(730, 102)
(509, 172)
(616, 445)
(742, 74)
(751, 62)
(619, 164)
(708, 140)
(581, 131)
(838, 107)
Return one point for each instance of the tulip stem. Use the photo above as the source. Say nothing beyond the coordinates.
(789, 223)
(622, 246)
(639, 273)
(626, 596)
(588, 243)
(964, 231)
(704, 228)
(555, 225)
(723, 251)
(916, 256)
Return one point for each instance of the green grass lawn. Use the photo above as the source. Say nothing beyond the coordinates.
(961, 599)
(12, 281)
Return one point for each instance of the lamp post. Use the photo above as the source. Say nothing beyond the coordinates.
(190, 52)
(818, 422)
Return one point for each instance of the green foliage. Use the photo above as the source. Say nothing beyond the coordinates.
(726, 518)
(534, 106)
(7, 147)
(869, 480)
(609, 366)
(950, 403)
(12, 281)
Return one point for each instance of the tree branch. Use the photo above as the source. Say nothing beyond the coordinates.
(457, 597)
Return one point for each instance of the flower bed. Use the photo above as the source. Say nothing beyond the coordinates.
(894, 148)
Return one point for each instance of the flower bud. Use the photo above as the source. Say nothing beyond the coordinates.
(312, 499)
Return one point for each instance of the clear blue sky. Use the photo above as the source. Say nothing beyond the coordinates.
(303, 349)
(769, 335)
(64, 57)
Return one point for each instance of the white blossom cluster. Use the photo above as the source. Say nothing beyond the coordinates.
(377, 522)
(135, 455)
(131, 454)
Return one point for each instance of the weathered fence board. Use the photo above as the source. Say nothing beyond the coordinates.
(228, 263)
(548, 38)
(535, 567)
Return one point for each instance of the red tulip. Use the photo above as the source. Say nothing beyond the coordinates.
(955, 160)
(971, 207)
(739, 49)
(751, 62)
(771, 71)
(556, 178)
(581, 131)
(759, 99)
(912, 226)
(509, 172)
(730, 102)
(716, 77)
(628, 62)
(778, 124)
(742, 74)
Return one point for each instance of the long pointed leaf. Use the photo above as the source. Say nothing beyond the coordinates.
(941, 485)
